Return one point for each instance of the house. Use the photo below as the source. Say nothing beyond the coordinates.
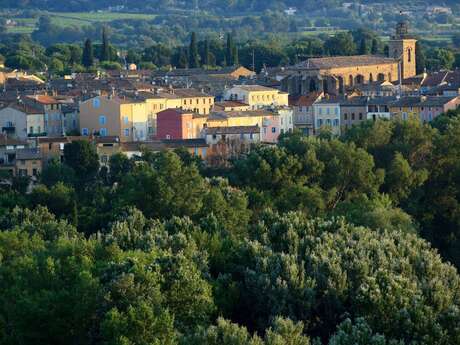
(257, 96)
(196, 147)
(235, 134)
(425, 108)
(8, 149)
(115, 116)
(106, 147)
(21, 121)
(354, 110)
(180, 124)
(52, 107)
(28, 163)
(302, 107)
(326, 115)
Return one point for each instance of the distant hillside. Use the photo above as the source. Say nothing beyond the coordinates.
(210, 5)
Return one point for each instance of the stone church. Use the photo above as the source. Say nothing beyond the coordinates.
(336, 75)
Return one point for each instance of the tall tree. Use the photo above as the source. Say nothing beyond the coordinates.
(236, 61)
(183, 60)
(88, 54)
(363, 47)
(194, 60)
(375, 46)
(229, 50)
(206, 57)
(105, 52)
(83, 158)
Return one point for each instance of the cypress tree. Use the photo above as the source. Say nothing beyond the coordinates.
(193, 60)
(105, 53)
(183, 61)
(207, 53)
(386, 51)
(236, 61)
(88, 54)
(229, 51)
(375, 46)
(363, 49)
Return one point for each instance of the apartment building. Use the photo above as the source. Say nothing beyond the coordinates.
(302, 107)
(326, 115)
(257, 96)
(22, 121)
(53, 109)
(126, 118)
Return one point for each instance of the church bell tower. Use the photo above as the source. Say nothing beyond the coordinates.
(402, 48)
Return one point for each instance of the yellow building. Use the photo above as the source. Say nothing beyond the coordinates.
(134, 118)
(257, 96)
(124, 117)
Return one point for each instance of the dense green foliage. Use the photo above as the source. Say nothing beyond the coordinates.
(314, 241)
(198, 51)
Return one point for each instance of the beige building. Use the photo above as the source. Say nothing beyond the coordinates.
(257, 96)
(124, 117)
(341, 74)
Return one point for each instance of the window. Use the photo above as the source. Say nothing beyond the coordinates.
(336, 111)
(321, 111)
(125, 120)
(84, 131)
(328, 122)
(360, 116)
(251, 136)
(31, 130)
(103, 132)
(214, 136)
(345, 116)
(328, 111)
(126, 132)
(104, 159)
(336, 123)
(96, 103)
(34, 172)
(102, 120)
(320, 122)
(168, 136)
(352, 116)
(273, 129)
(39, 129)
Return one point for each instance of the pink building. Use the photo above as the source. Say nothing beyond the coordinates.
(179, 124)
(271, 128)
(432, 107)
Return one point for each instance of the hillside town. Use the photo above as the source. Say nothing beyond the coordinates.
(214, 114)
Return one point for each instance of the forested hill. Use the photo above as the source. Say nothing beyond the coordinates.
(209, 5)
